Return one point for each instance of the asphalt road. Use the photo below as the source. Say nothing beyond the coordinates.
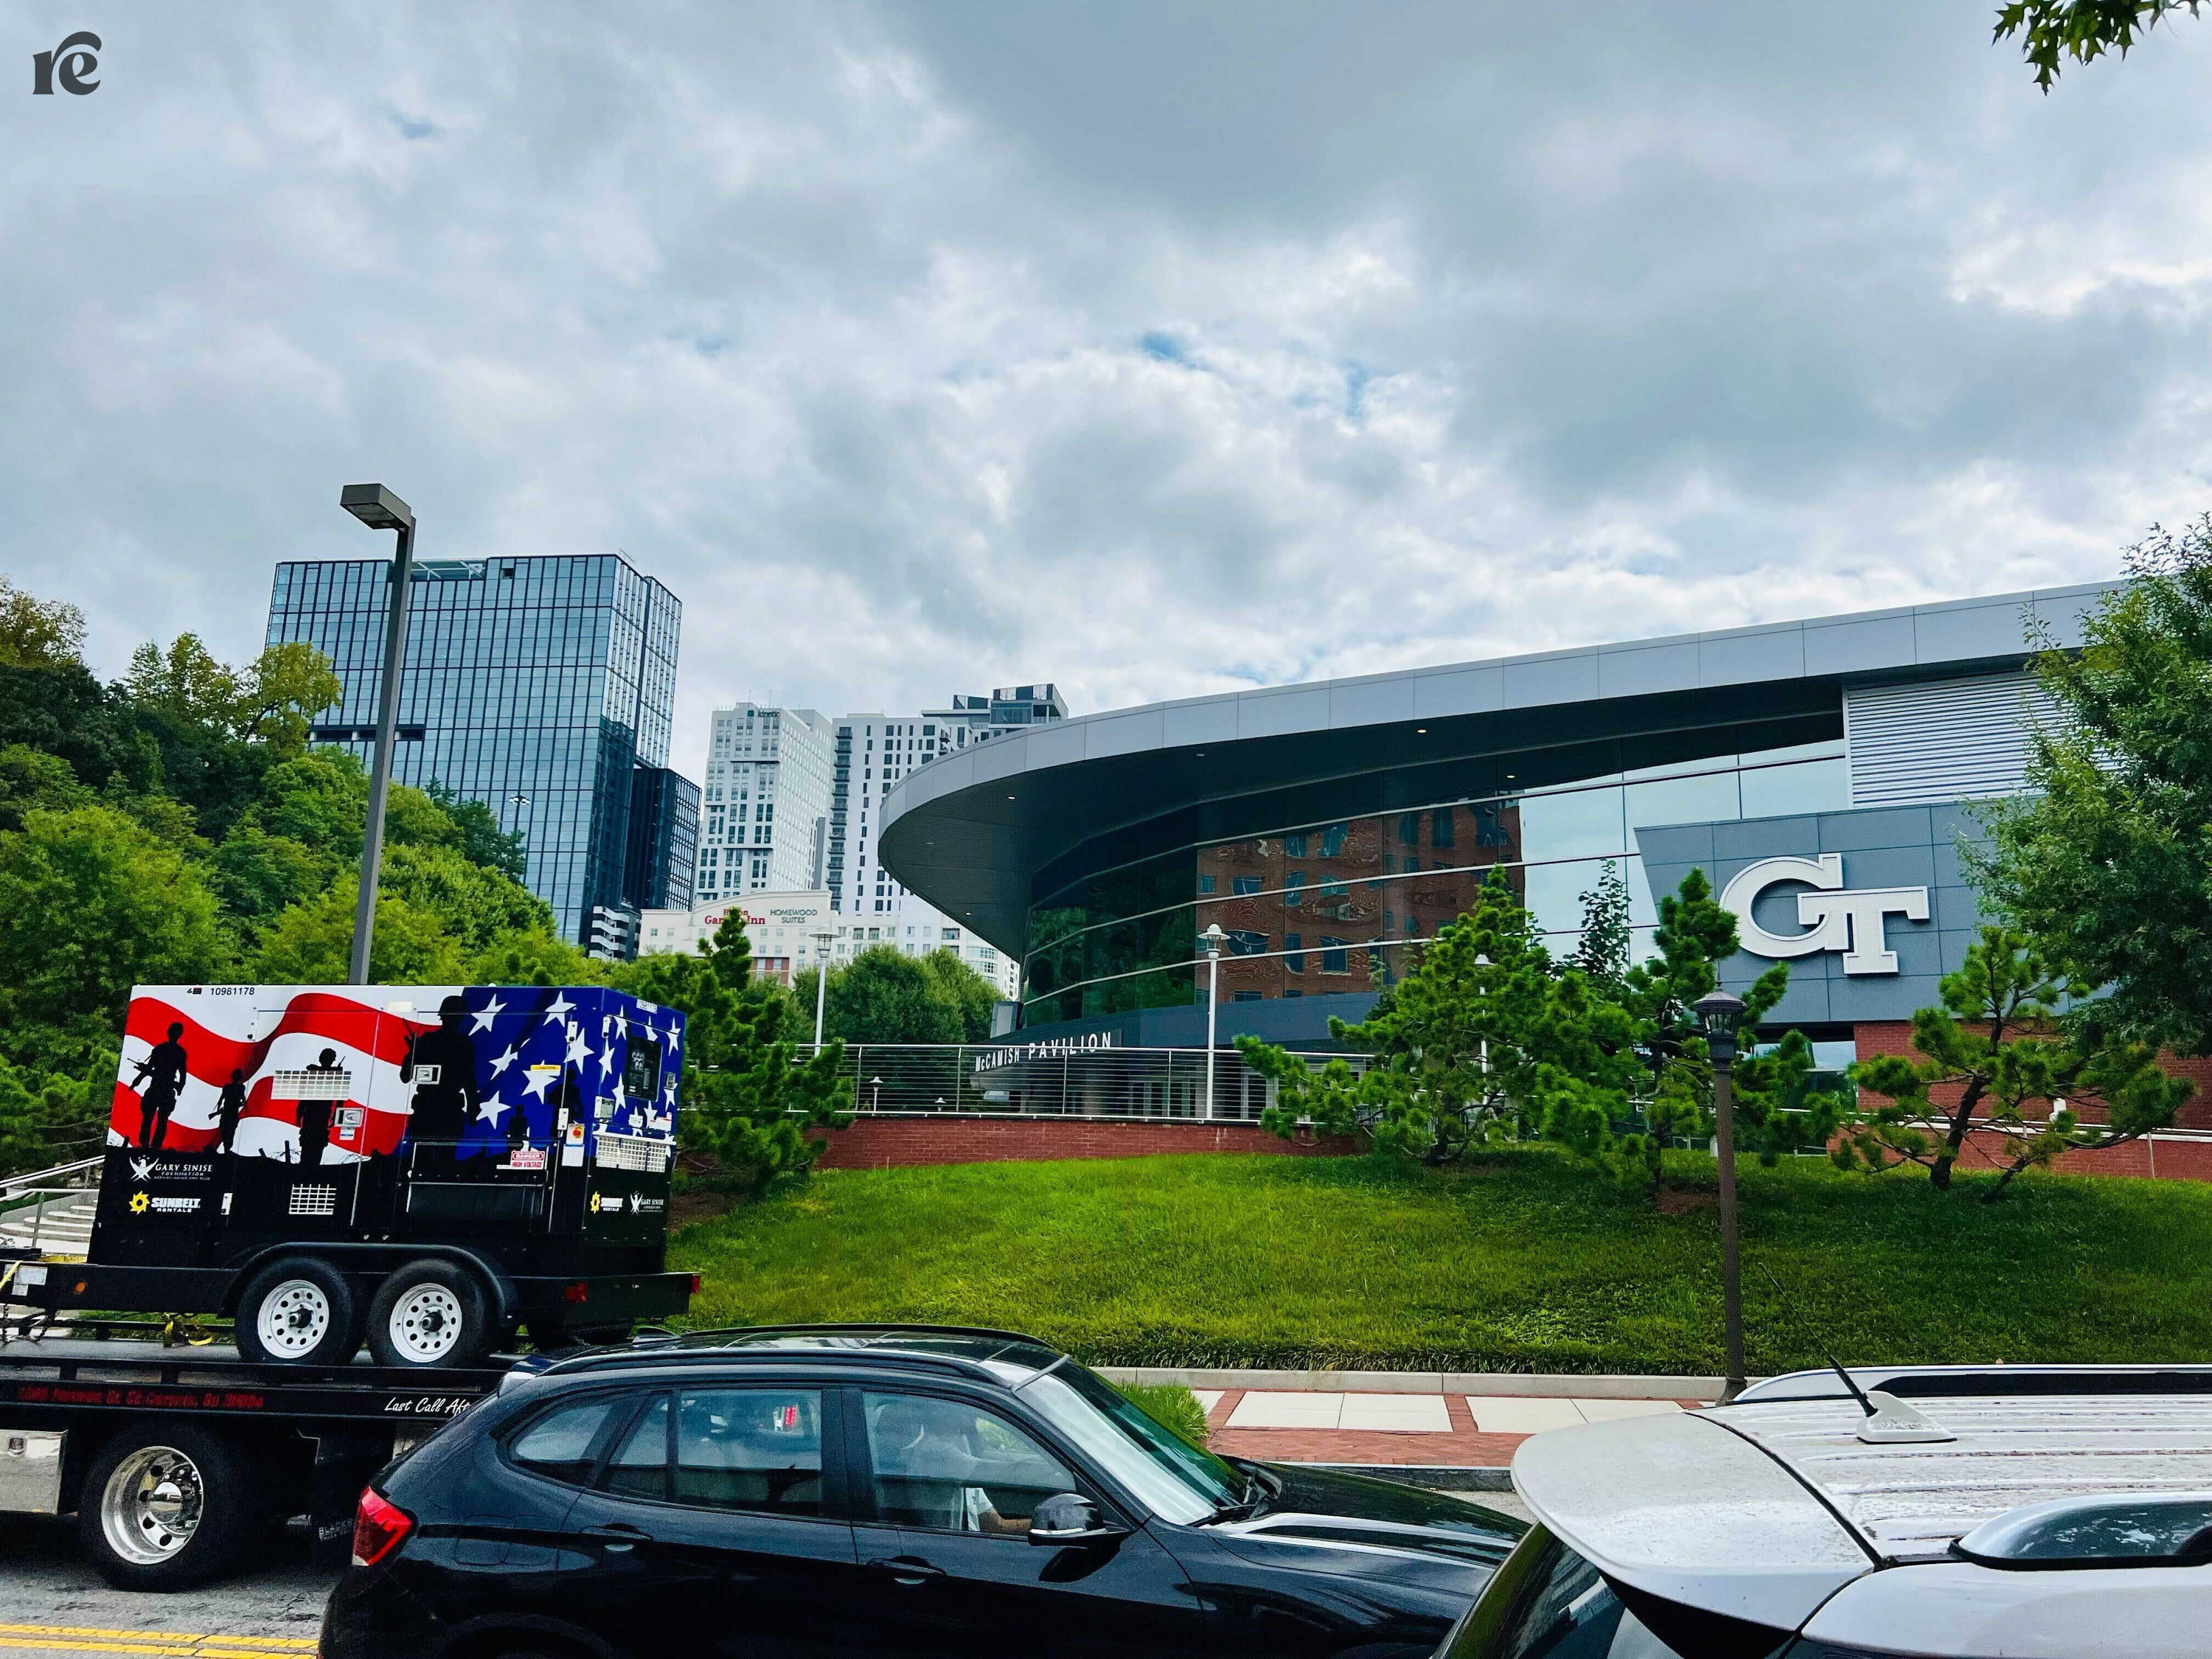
(53, 1603)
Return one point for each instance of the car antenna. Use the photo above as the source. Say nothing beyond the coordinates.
(1888, 1421)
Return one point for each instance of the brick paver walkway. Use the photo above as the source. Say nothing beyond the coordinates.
(1466, 1444)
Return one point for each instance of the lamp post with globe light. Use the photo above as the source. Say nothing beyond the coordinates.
(1717, 1012)
(1212, 938)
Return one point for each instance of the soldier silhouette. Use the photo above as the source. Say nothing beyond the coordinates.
(165, 1066)
(315, 1116)
(229, 1106)
(446, 1098)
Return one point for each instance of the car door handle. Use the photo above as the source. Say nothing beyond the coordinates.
(616, 1536)
(906, 1570)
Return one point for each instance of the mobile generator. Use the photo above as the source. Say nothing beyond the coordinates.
(430, 1166)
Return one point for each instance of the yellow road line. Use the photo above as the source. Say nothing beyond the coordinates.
(162, 1640)
(56, 1645)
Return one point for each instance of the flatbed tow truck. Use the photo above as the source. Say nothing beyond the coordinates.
(431, 1170)
(176, 1459)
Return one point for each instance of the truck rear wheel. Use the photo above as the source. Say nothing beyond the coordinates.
(165, 1506)
(299, 1311)
(430, 1315)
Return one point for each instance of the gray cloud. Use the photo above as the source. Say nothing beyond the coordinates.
(922, 347)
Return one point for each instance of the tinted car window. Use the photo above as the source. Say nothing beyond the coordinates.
(948, 1467)
(560, 1443)
(1548, 1602)
(639, 1468)
(750, 1448)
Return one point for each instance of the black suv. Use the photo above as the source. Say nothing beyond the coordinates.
(877, 1490)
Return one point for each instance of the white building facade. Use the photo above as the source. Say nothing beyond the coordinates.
(781, 928)
(764, 810)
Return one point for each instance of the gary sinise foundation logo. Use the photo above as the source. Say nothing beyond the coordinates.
(71, 65)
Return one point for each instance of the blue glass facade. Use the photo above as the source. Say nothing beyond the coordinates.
(539, 686)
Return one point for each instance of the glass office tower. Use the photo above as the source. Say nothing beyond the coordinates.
(540, 686)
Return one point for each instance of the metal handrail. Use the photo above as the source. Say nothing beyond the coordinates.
(9, 1184)
(37, 1186)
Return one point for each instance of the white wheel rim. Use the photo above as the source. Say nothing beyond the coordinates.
(293, 1319)
(425, 1324)
(152, 1505)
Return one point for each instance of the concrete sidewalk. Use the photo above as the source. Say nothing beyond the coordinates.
(1417, 1421)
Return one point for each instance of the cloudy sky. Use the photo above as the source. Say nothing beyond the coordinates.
(1157, 350)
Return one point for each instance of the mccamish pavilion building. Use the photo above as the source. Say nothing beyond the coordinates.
(1818, 771)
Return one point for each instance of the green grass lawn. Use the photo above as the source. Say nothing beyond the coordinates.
(1530, 1262)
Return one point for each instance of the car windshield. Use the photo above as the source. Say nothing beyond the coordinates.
(1548, 1602)
(1174, 1480)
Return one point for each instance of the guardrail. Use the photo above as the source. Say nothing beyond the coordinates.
(1012, 1079)
(37, 1189)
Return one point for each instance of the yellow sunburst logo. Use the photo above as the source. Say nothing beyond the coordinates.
(140, 1203)
(595, 1203)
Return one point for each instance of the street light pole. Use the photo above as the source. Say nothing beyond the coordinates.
(1212, 938)
(1718, 1011)
(821, 981)
(380, 509)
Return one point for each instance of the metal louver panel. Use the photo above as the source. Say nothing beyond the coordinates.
(1912, 745)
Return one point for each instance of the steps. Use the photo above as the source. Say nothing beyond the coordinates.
(63, 1226)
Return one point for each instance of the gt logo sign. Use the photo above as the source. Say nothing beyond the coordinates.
(1837, 918)
(73, 63)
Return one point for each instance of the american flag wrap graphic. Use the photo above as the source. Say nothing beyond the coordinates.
(529, 1052)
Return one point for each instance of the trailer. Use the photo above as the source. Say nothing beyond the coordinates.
(177, 1462)
(432, 1169)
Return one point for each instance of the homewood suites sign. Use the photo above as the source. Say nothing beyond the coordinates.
(1834, 917)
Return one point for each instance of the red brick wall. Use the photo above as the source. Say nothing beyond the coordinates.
(873, 1143)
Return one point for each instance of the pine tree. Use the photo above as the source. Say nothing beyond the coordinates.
(1998, 1047)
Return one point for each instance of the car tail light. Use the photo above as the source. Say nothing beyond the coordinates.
(696, 1282)
(576, 1292)
(379, 1527)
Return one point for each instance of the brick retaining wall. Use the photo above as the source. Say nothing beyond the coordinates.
(876, 1143)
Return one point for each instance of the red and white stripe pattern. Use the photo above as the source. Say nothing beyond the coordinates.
(262, 1032)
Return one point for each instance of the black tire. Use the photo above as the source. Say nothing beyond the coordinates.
(299, 1330)
(430, 1315)
(167, 1505)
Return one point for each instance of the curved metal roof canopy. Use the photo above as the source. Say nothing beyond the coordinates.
(969, 833)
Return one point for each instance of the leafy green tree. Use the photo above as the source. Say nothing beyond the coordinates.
(961, 988)
(883, 996)
(474, 905)
(2083, 30)
(320, 800)
(185, 681)
(65, 711)
(2107, 860)
(750, 1099)
(311, 942)
(257, 876)
(32, 781)
(280, 693)
(481, 841)
(48, 1118)
(1996, 1052)
(1606, 947)
(533, 955)
(91, 904)
(37, 632)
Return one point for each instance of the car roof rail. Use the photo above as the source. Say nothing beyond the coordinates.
(1953, 1381)
(660, 1355)
(870, 1328)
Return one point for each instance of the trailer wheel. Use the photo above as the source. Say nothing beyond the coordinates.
(298, 1311)
(428, 1314)
(165, 1506)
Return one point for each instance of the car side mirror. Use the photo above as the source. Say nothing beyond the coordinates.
(1069, 1517)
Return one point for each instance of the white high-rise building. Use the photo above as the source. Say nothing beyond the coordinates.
(873, 751)
(764, 813)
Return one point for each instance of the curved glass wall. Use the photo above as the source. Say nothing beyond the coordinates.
(1320, 909)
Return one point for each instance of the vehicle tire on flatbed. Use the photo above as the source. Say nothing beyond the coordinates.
(167, 1505)
(430, 1315)
(298, 1311)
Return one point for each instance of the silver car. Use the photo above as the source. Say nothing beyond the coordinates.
(1950, 1512)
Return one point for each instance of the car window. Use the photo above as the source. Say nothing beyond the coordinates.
(560, 1443)
(1175, 1481)
(1548, 1602)
(750, 1448)
(949, 1467)
(639, 1468)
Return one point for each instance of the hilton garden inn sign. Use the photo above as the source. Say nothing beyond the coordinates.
(1834, 917)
